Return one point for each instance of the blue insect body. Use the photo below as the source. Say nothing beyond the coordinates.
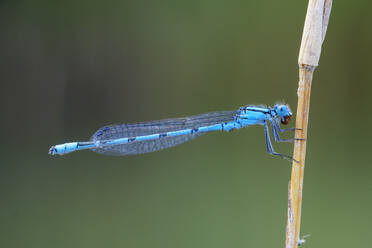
(137, 138)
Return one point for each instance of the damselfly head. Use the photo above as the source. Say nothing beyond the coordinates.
(284, 113)
(286, 119)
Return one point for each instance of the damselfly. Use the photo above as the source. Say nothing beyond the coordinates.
(143, 137)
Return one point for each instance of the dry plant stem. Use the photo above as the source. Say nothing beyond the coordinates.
(315, 28)
(296, 183)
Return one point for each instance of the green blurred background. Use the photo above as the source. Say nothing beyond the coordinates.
(68, 68)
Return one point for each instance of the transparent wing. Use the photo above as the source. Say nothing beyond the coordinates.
(162, 126)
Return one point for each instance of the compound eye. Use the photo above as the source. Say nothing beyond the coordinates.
(286, 119)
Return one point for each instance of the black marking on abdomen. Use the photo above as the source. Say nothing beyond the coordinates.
(131, 139)
(194, 130)
(162, 135)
